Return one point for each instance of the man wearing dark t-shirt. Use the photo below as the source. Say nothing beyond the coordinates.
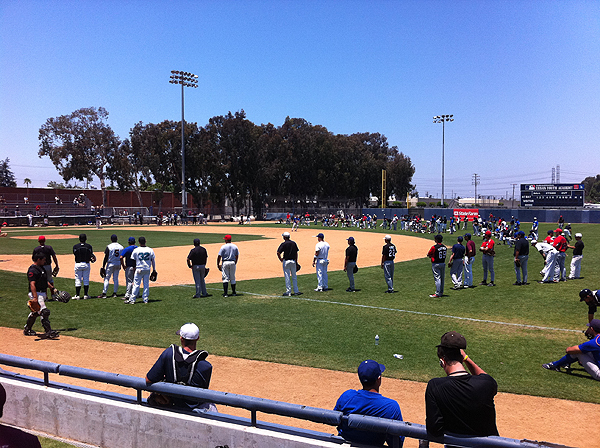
(196, 261)
(460, 403)
(577, 256)
(350, 262)
(437, 254)
(521, 254)
(50, 255)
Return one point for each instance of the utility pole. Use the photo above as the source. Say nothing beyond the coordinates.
(476, 182)
(513, 199)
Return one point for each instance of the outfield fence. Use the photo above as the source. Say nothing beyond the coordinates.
(254, 405)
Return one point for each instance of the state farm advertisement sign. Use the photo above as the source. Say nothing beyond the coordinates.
(470, 213)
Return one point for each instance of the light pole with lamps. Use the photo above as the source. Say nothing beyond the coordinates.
(442, 119)
(186, 79)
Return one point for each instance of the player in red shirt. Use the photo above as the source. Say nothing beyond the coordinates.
(487, 260)
(560, 244)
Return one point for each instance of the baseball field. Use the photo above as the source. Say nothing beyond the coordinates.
(305, 349)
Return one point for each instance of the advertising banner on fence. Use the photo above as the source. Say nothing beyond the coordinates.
(470, 213)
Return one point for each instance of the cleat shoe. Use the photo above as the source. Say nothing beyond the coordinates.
(225, 295)
(52, 334)
(319, 289)
(434, 296)
(298, 293)
(491, 284)
(102, 296)
(484, 283)
(285, 294)
(551, 366)
(517, 283)
(129, 302)
(27, 332)
(114, 294)
(76, 298)
(86, 297)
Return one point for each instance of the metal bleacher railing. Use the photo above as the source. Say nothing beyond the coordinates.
(254, 405)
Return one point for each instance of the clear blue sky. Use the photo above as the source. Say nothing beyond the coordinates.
(522, 78)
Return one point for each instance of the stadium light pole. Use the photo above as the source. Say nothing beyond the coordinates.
(443, 119)
(186, 79)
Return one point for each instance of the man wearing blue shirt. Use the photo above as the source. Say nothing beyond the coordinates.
(456, 263)
(128, 265)
(368, 401)
(588, 353)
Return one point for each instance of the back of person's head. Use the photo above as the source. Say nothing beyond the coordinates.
(450, 345)
(113, 238)
(438, 238)
(196, 242)
(142, 240)
(83, 237)
(38, 256)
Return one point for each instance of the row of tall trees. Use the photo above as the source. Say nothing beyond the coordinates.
(229, 157)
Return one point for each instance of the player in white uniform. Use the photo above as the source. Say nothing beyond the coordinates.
(226, 263)
(111, 266)
(144, 261)
(321, 260)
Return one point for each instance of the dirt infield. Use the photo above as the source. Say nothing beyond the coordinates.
(518, 416)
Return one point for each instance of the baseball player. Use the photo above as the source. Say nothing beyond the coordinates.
(84, 255)
(196, 261)
(388, 254)
(437, 254)
(534, 228)
(561, 245)
(321, 260)
(521, 254)
(577, 257)
(287, 252)
(38, 286)
(548, 252)
(111, 265)
(468, 260)
(350, 262)
(456, 263)
(487, 260)
(229, 254)
(144, 260)
(588, 353)
(592, 299)
(128, 265)
(48, 251)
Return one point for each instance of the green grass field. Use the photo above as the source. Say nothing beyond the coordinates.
(336, 330)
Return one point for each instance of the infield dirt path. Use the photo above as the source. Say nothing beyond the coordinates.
(518, 416)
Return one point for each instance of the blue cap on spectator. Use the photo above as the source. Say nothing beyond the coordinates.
(369, 371)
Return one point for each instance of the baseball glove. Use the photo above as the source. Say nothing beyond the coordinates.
(33, 305)
(55, 271)
(518, 263)
(355, 269)
(206, 271)
(93, 260)
(61, 296)
(153, 276)
(102, 272)
(450, 264)
(298, 267)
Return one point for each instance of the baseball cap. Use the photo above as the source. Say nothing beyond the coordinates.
(467, 235)
(285, 234)
(189, 331)
(351, 239)
(584, 293)
(41, 238)
(387, 238)
(320, 235)
(452, 339)
(113, 237)
(488, 233)
(459, 239)
(595, 324)
(558, 231)
(227, 237)
(369, 371)
(196, 241)
(578, 235)
(132, 239)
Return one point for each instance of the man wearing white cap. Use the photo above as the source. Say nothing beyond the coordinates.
(183, 365)
(577, 256)
(288, 255)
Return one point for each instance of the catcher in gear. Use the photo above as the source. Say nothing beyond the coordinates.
(38, 286)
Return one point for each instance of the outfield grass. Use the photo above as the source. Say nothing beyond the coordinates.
(336, 330)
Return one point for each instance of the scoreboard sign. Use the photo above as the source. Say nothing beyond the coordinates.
(552, 195)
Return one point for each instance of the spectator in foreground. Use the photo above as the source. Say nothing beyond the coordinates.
(368, 401)
(182, 365)
(13, 437)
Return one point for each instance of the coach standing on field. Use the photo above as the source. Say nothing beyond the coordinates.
(350, 262)
(229, 254)
(48, 251)
(288, 255)
(196, 261)
(84, 255)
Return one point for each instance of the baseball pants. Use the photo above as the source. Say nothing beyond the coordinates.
(199, 271)
(322, 279)
(585, 359)
(488, 265)
(289, 272)
(350, 273)
(112, 270)
(388, 273)
(439, 272)
(228, 272)
(576, 266)
(523, 259)
(550, 270)
(82, 274)
(141, 275)
(560, 262)
(456, 273)
(44, 313)
(468, 261)
(129, 275)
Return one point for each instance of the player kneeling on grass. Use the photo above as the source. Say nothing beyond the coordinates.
(182, 365)
(588, 353)
(38, 286)
(368, 401)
